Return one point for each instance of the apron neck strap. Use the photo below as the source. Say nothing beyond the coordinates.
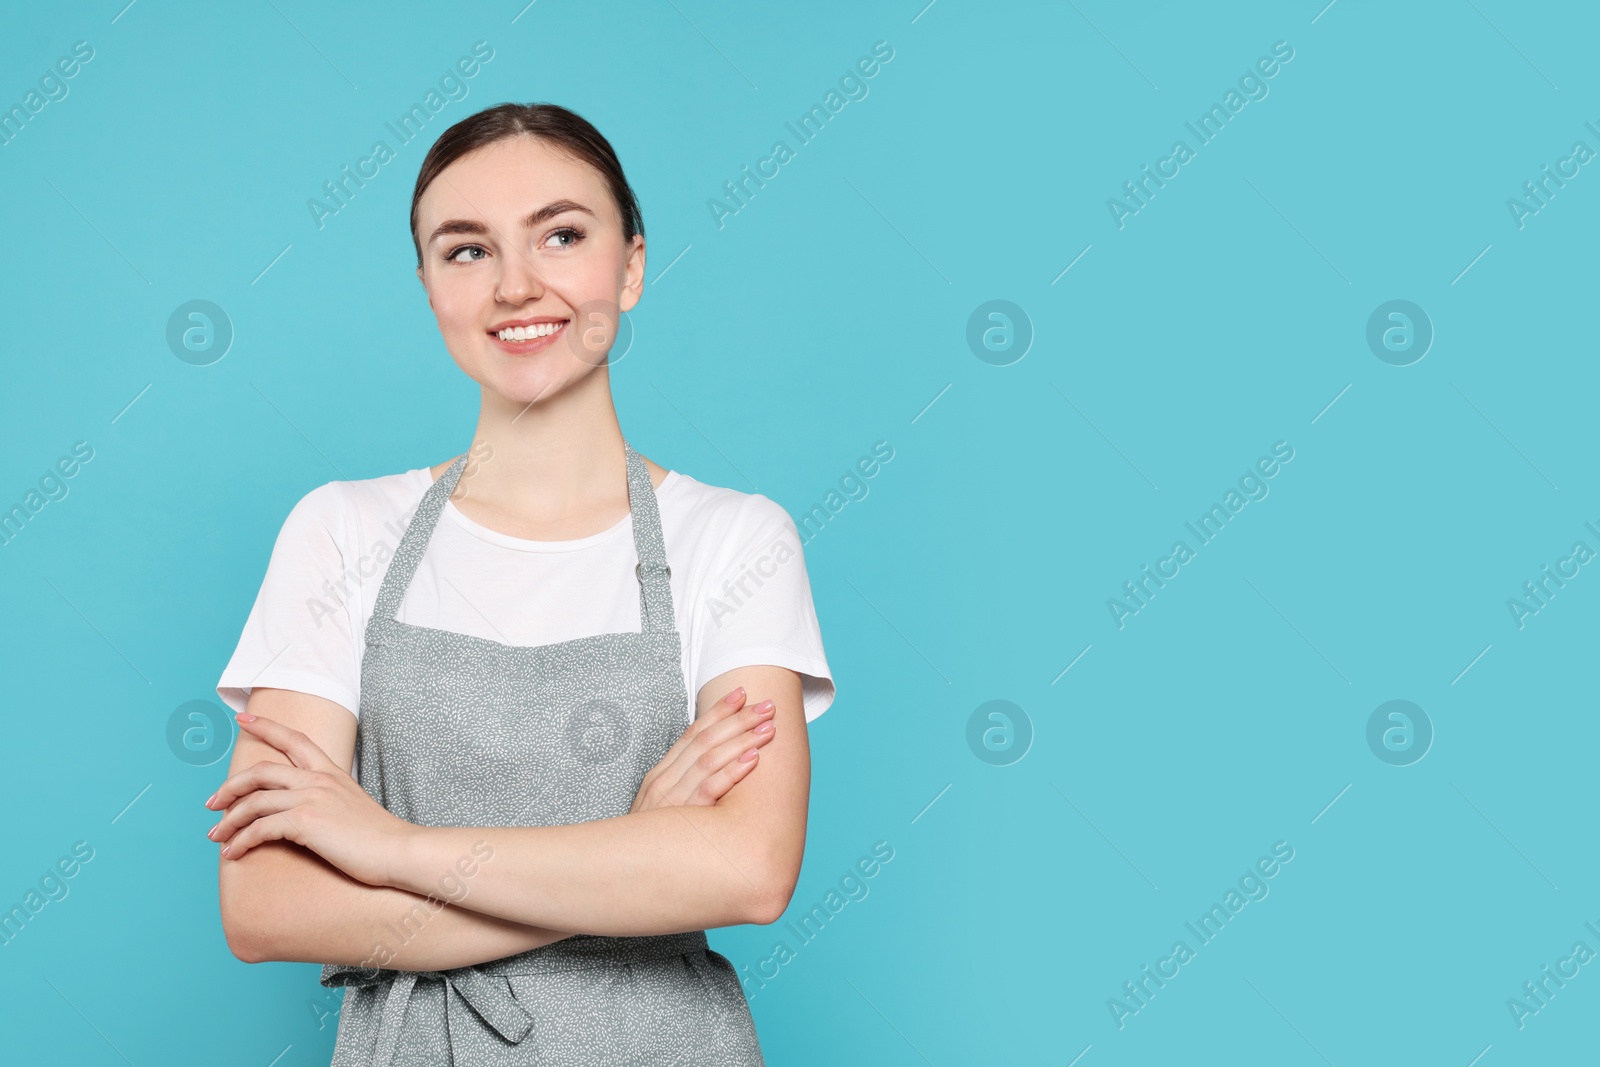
(655, 594)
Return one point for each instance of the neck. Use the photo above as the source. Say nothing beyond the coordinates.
(552, 458)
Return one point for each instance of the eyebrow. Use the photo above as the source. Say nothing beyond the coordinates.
(532, 219)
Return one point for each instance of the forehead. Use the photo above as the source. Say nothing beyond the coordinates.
(505, 179)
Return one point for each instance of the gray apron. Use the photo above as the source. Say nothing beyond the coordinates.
(458, 730)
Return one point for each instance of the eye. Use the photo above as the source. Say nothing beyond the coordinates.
(454, 252)
(570, 231)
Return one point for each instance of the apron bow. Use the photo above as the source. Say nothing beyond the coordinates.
(489, 997)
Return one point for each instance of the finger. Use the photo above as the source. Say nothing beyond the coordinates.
(733, 725)
(268, 774)
(713, 761)
(729, 703)
(679, 765)
(707, 791)
(675, 778)
(709, 788)
(277, 827)
(651, 785)
(298, 746)
(716, 787)
(719, 712)
(253, 806)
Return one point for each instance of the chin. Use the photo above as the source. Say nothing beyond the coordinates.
(527, 387)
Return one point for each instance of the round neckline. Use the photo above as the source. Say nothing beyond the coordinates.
(521, 544)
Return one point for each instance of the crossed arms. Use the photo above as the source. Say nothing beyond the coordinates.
(662, 868)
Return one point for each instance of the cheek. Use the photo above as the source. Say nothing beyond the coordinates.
(456, 304)
(587, 278)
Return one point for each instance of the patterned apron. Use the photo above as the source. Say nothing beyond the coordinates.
(457, 730)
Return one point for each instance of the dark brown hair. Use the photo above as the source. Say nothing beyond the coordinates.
(551, 123)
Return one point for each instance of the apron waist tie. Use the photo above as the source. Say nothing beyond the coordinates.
(483, 986)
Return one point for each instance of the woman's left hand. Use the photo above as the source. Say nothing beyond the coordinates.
(311, 801)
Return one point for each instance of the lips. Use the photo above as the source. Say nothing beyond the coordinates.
(528, 344)
(512, 323)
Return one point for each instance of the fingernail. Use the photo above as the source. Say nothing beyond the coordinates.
(766, 727)
(212, 799)
(748, 756)
(212, 833)
(225, 849)
(245, 716)
(766, 707)
(733, 697)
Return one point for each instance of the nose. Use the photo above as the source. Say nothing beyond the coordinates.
(519, 280)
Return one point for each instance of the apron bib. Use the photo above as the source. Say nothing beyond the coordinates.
(457, 730)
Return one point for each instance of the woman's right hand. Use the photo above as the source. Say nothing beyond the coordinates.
(717, 750)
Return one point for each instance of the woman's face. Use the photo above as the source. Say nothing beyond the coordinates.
(531, 237)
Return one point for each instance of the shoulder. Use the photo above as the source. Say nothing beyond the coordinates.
(713, 529)
(717, 510)
(343, 507)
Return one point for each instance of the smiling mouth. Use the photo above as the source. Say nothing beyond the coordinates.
(529, 333)
(526, 340)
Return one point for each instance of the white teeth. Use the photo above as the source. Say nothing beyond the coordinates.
(524, 333)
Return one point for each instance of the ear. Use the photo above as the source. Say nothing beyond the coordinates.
(424, 282)
(633, 275)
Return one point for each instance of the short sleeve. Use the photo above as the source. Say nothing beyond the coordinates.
(299, 634)
(757, 607)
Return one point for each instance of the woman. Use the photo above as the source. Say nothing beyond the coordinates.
(507, 674)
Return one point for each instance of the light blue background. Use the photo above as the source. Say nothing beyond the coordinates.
(830, 313)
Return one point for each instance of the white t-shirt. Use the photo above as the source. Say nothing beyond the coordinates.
(740, 592)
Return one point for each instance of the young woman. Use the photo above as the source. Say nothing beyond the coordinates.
(484, 699)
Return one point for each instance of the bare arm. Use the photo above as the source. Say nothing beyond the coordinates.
(280, 901)
(649, 872)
